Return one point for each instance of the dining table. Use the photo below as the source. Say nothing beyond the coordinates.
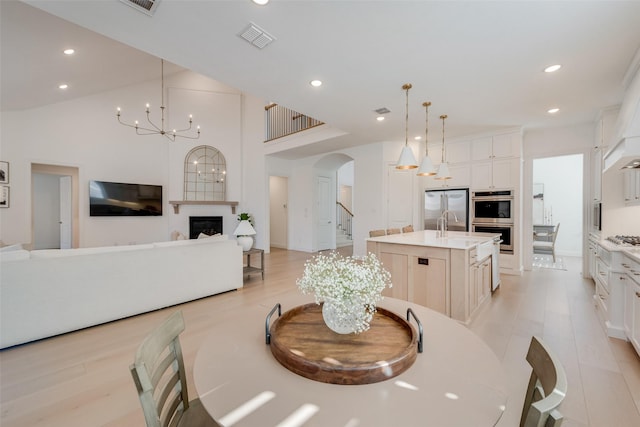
(456, 380)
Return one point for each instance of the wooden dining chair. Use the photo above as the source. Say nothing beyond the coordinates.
(159, 375)
(547, 388)
(377, 233)
(393, 231)
(407, 229)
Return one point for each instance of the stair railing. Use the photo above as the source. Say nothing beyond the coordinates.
(282, 121)
(344, 219)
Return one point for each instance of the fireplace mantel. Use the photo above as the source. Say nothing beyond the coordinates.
(176, 204)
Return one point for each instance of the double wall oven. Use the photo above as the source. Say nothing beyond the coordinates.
(493, 212)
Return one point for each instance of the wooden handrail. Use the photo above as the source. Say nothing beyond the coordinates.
(345, 208)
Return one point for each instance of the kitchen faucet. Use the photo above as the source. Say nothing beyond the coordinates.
(444, 220)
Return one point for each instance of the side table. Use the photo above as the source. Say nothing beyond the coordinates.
(248, 268)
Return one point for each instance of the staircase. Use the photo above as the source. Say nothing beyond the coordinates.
(343, 229)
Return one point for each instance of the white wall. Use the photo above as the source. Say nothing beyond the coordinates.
(84, 133)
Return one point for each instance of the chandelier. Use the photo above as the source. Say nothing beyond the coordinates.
(153, 128)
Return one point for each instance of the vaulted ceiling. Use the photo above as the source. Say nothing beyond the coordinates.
(479, 62)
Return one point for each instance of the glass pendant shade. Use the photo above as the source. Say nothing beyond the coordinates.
(407, 160)
(426, 167)
(443, 172)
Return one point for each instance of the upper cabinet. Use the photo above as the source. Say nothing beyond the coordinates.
(631, 186)
(458, 152)
(596, 174)
(496, 147)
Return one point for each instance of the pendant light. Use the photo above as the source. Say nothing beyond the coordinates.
(407, 160)
(443, 170)
(426, 167)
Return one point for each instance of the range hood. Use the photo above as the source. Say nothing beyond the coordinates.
(625, 144)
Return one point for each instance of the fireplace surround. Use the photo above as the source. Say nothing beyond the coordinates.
(204, 224)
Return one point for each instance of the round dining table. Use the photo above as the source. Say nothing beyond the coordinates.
(455, 381)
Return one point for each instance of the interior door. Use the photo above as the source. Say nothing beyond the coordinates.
(65, 212)
(326, 233)
(278, 211)
(400, 198)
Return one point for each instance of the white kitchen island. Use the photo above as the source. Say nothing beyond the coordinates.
(454, 274)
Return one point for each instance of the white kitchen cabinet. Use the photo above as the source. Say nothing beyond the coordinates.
(635, 328)
(503, 173)
(496, 147)
(460, 178)
(631, 186)
(631, 318)
(479, 283)
(596, 174)
(456, 152)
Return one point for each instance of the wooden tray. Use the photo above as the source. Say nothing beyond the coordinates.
(302, 343)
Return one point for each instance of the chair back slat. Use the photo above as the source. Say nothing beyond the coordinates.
(547, 388)
(159, 374)
(377, 233)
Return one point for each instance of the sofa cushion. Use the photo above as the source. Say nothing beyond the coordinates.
(15, 255)
(216, 238)
(59, 253)
(11, 248)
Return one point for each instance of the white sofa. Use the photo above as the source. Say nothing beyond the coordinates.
(49, 292)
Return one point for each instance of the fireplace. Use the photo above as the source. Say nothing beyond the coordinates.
(204, 224)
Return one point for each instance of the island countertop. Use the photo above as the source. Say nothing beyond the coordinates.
(452, 239)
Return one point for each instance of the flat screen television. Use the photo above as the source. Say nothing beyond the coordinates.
(120, 199)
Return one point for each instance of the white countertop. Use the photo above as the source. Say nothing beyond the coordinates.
(452, 239)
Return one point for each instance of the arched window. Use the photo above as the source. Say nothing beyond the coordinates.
(205, 173)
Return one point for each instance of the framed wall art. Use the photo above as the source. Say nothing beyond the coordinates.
(4, 172)
(4, 196)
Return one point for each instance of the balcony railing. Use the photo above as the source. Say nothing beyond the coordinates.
(281, 121)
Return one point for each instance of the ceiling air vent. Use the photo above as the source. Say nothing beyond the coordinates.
(256, 36)
(145, 6)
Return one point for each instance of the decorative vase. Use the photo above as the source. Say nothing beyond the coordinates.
(346, 318)
(246, 242)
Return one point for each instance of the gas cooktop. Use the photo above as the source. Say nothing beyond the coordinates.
(625, 240)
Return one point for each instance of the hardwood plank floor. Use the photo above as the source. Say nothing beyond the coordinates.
(82, 378)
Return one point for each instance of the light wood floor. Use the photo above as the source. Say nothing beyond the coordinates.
(82, 379)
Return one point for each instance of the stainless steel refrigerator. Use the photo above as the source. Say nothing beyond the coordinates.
(455, 201)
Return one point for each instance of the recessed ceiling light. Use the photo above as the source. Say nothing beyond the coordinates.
(69, 51)
(553, 110)
(315, 83)
(417, 138)
(260, 2)
(552, 68)
(63, 86)
(380, 118)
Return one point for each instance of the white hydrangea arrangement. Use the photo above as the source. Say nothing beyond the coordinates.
(352, 285)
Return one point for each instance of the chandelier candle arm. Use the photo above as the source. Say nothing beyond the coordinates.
(426, 167)
(407, 160)
(160, 130)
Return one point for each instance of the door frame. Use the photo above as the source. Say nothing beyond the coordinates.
(60, 171)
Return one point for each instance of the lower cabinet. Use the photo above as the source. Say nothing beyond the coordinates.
(479, 283)
(430, 283)
(418, 277)
(631, 316)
